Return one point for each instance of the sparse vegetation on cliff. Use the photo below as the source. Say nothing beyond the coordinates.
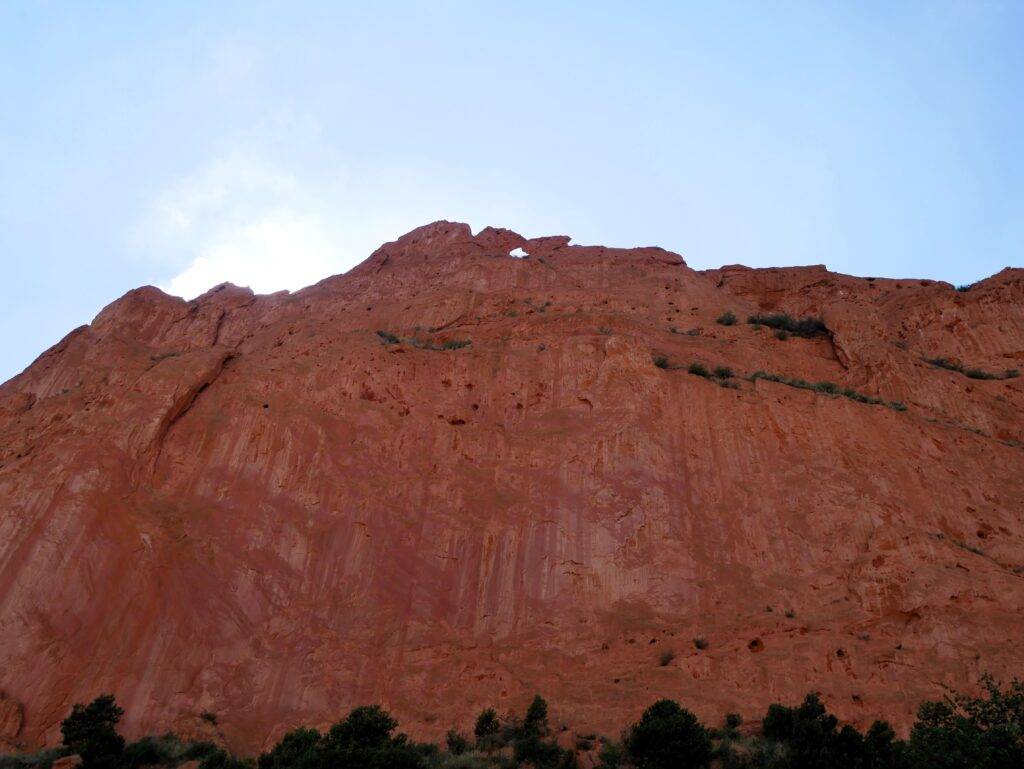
(727, 318)
(971, 373)
(788, 325)
(386, 337)
(828, 388)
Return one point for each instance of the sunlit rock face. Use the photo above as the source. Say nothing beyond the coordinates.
(261, 507)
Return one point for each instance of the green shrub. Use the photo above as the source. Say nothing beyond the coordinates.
(611, 755)
(666, 657)
(487, 724)
(828, 388)
(970, 373)
(196, 751)
(723, 372)
(386, 337)
(660, 361)
(456, 743)
(221, 759)
(537, 752)
(700, 643)
(985, 732)
(150, 751)
(727, 318)
(668, 736)
(298, 749)
(536, 720)
(699, 370)
(90, 731)
(808, 327)
(42, 759)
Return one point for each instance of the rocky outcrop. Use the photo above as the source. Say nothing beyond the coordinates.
(259, 507)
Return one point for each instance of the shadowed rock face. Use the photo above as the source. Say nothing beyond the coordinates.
(256, 506)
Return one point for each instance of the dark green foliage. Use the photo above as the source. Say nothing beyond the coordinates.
(149, 751)
(963, 732)
(965, 288)
(386, 337)
(971, 373)
(806, 327)
(666, 657)
(698, 369)
(660, 361)
(456, 743)
(368, 726)
(536, 720)
(221, 759)
(668, 737)
(298, 749)
(486, 724)
(41, 760)
(530, 743)
(958, 732)
(538, 752)
(700, 643)
(90, 732)
(727, 318)
(611, 755)
(809, 738)
(426, 344)
(828, 388)
(198, 751)
(363, 740)
(721, 374)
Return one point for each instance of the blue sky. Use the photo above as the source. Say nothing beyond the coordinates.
(275, 143)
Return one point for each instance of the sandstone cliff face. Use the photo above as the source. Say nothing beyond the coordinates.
(255, 506)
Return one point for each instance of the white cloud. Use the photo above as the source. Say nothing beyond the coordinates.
(242, 221)
(281, 250)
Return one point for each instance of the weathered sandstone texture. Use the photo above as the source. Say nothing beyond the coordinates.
(257, 506)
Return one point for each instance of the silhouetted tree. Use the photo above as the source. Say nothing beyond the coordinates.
(668, 736)
(90, 731)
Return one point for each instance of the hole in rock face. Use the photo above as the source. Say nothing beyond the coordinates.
(518, 253)
(756, 645)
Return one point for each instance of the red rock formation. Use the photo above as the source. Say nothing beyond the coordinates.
(257, 507)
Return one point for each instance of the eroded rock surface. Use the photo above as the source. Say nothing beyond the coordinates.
(258, 507)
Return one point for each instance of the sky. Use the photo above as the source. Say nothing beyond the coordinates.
(272, 144)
